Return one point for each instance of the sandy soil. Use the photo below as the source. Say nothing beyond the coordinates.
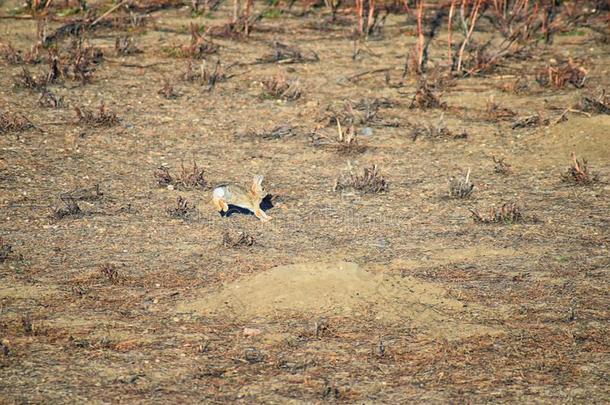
(392, 297)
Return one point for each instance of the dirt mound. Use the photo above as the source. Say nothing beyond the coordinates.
(339, 288)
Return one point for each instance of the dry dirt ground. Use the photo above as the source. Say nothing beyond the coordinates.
(389, 297)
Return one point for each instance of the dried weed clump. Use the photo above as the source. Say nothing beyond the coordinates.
(102, 118)
(461, 187)
(508, 213)
(280, 87)
(188, 178)
(241, 239)
(13, 122)
(369, 182)
(182, 209)
(560, 74)
(579, 173)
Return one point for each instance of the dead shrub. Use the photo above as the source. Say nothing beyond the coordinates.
(508, 213)
(461, 187)
(102, 118)
(424, 98)
(280, 87)
(182, 209)
(13, 122)
(579, 173)
(560, 74)
(369, 182)
(241, 239)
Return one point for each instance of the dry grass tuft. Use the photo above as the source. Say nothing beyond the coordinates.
(125, 45)
(102, 118)
(461, 187)
(509, 213)
(369, 182)
(182, 209)
(579, 173)
(501, 166)
(424, 98)
(558, 75)
(10, 55)
(188, 178)
(280, 87)
(110, 272)
(241, 239)
(14, 122)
